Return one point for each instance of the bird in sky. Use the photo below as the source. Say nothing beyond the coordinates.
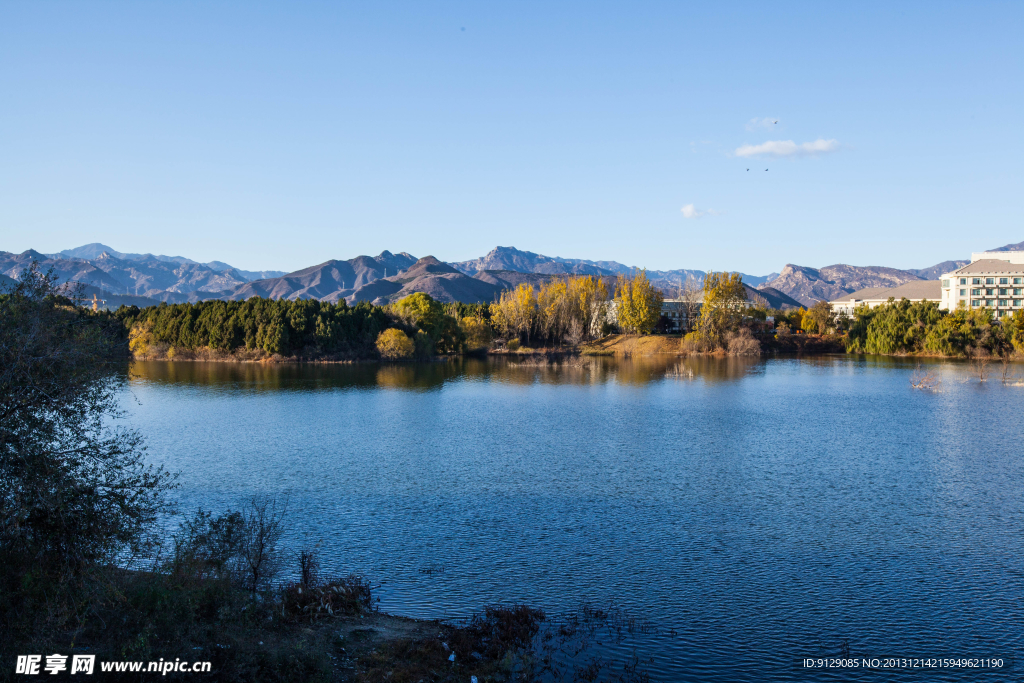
(748, 169)
(766, 169)
(775, 121)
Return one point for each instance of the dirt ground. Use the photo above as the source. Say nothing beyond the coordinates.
(381, 648)
(361, 638)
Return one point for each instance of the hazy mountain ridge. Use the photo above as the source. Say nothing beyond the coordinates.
(938, 270)
(388, 277)
(158, 280)
(512, 259)
(1019, 246)
(95, 250)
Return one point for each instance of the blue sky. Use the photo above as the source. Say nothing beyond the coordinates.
(281, 135)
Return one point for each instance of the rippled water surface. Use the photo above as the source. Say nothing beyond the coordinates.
(754, 512)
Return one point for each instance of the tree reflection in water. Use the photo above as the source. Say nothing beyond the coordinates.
(525, 371)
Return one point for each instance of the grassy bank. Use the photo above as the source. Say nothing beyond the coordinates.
(632, 345)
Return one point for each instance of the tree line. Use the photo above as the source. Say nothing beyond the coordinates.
(284, 327)
(563, 310)
(900, 327)
(569, 310)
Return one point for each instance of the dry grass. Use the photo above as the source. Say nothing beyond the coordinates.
(743, 344)
(627, 345)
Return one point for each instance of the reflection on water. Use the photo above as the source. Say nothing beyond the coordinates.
(755, 511)
(524, 371)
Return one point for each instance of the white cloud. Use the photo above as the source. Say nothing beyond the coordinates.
(754, 124)
(788, 148)
(691, 211)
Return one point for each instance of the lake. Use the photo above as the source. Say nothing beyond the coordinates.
(753, 512)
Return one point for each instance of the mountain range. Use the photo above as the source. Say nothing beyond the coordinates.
(145, 279)
(96, 250)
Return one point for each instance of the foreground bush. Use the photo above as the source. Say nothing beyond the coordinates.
(75, 493)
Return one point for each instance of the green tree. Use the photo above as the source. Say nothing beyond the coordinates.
(75, 491)
(819, 318)
(421, 311)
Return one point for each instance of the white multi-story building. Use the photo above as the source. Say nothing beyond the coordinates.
(993, 280)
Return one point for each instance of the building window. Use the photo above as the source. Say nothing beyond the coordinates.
(1002, 292)
(975, 292)
(975, 302)
(1016, 302)
(1016, 291)
(963, 281)
(963, 292)
(1016, 280)
(1004, 281)
(990, 281)
(989, 292)
(990, 303)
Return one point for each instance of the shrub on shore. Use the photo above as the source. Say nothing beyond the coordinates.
(393, 344)
(904, 327)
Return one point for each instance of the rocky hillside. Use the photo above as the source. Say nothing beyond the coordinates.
(329, 281)
(810, 285)
(512, 259)
(430, 276)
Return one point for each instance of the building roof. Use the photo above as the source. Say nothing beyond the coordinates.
(914, 290)
(989, 265)
(869, 293)
(917, 289)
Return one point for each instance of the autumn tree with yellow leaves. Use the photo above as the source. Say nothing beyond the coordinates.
(637, 303)
(560, 310)
(515, 312)
(725, 298)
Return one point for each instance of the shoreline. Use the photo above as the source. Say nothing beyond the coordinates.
(615, 346)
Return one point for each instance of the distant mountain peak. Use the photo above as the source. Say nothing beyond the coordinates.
(427, 264)
(809, 285)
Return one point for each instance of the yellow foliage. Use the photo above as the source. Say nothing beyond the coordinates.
(562, 308)
(637, 303)
(477, 331)
(515, 313)
(140, 339)
(724, 299)
(393, 343)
